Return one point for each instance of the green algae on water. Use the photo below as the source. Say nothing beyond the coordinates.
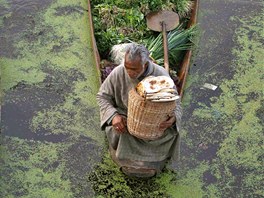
(109, 181)
(240, 139)
(59, 48)
(19, 70)
(231, 123)
(53, 56)
(34, 169)
(5, 6)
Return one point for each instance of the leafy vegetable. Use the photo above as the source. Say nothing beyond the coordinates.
(117, 21)
(178, 40)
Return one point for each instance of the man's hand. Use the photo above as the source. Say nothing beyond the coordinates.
(119, 123)
(168, 123)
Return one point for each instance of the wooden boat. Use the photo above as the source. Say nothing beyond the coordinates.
(184, 66)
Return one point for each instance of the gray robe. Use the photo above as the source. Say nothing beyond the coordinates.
(113, 98)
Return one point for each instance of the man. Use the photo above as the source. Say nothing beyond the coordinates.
(136, 157)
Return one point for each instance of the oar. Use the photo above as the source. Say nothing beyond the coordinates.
(163, 21)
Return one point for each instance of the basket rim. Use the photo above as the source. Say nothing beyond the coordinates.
(148, 101)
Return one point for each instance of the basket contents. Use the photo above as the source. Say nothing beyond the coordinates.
(157, 89)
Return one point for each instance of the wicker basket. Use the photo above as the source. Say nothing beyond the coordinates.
(144, 116)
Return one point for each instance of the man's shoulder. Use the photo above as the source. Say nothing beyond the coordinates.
(116, 74)
(118, 69)
(159, 70)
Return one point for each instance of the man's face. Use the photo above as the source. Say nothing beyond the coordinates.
(134, 67)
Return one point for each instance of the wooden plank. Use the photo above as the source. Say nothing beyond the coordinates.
(94, 46)
(186, 60)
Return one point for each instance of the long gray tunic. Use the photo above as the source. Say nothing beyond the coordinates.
(113, 98)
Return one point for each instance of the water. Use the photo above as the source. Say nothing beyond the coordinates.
(50, 138)
(50, 135)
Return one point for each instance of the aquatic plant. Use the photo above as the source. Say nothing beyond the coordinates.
(108, 181)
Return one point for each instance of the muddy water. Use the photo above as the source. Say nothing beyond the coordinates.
(50, 138)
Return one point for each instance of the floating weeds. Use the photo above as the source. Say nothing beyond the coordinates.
(33, 168)
(51, 67)
(57, 44)
(232, 120)
(109, 181)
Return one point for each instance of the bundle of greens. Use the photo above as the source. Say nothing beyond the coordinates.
(117, 21)
(179, 39)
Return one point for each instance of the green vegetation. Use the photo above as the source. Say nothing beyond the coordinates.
(58, 51)
(178, 42)
(5, 6)
(14, 72)
(33, 169)
(53, 69)
(243, 146)
(55, 55)
(233, 121)
(109, 181)
(118, 21)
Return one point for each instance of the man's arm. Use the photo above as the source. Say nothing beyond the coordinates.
(107, 109)
(106, 100)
